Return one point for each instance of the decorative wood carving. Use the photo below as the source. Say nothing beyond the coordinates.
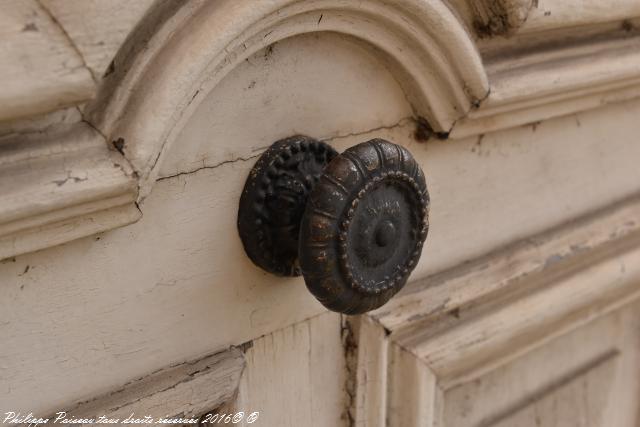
(196, 44)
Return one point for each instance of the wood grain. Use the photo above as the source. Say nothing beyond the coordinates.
(414, 396)
(296, 376)
(369, 407)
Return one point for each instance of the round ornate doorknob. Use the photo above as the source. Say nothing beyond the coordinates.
(353, 224)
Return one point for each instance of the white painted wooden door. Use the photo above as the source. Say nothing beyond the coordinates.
(127, 130)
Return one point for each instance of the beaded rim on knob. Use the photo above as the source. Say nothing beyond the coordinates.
(353, 224)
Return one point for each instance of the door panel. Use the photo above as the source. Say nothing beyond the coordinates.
(544, 333)
(588, 377)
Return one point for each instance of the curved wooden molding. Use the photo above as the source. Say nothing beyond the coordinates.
(59, 187)
(173, 58)
(189, 48)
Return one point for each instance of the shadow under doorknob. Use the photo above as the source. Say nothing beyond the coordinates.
(353, 224)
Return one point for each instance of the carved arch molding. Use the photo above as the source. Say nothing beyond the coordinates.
(182, 50)
(444, 54)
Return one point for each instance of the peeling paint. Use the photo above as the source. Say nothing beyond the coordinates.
(350, 346)
(501, 18)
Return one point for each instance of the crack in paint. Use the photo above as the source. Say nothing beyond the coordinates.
(217, 165)
(69, 39)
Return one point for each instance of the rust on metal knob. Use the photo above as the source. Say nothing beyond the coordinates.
(352, 224)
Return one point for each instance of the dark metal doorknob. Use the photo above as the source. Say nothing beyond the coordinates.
(353, 224)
